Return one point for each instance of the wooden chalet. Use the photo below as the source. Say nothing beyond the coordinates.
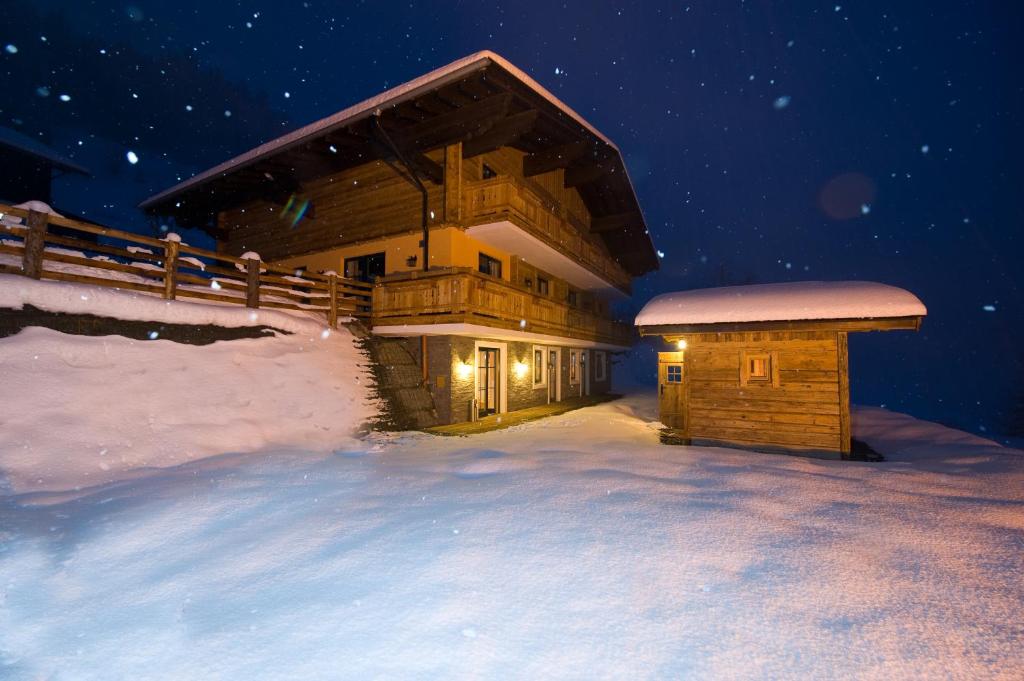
(495, 224)
(766, 366)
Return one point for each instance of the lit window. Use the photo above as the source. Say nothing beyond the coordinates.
(675, 373)
(574, 360)
(539, 367)
(758, 368)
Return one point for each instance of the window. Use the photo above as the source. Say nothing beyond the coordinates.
(759, 368)
(574, 363)
(542, 286)
(675, 373)
(540, 367)
(571, 298)
(365, 267)
(528, 283)
(600, 365)
(489, 265)
(488, 172)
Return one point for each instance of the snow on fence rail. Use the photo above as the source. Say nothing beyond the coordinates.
(167, 267)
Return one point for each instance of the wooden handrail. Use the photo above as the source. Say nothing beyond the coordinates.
(260, 283)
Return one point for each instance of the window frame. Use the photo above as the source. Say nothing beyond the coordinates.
(769, 379)
(543, 286)
(543, 364)
(490, 260)
(574, 367)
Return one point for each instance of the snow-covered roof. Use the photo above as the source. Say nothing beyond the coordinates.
(27, 145)
(390, 97)
(797, 301)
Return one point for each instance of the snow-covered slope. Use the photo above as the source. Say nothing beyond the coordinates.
(77, 411)
(576, 547)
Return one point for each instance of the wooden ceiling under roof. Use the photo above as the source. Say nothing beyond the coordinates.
(484, 109)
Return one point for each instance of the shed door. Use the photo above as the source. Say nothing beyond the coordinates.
(670, 389)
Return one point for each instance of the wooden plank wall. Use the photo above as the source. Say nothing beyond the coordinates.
(362, 203)
(806, 411)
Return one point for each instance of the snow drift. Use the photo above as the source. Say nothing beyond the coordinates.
(78, 411)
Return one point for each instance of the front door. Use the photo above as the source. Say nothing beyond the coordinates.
(554, 374)
(584, 372)
(670, 389)
(488, 388)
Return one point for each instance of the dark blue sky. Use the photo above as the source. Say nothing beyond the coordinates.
(767, 142)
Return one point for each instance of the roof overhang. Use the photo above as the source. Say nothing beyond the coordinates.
(440, 108)
(671, 331)
(481, 331)
(513, 239)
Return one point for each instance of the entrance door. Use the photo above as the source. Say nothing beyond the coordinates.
(554, 375)
(670, 389)
(488, 388)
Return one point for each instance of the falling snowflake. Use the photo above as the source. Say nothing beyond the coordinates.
(132, 157)
(781, 102)
(11, 49)
(865, 209)
(988, 308)
(925, 148)
(65, 98)
(153, 335)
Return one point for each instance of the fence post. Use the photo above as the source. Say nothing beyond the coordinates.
(170, 269)
(332, 287)
(35, 242)
(252, 282)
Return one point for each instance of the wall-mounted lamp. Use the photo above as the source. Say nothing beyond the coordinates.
(520, 369)
(681, 344)
(464, 370)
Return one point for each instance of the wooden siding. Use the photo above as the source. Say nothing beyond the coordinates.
(806, 410)
(366, 202)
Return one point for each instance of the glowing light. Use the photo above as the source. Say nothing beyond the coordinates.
(681, 344)
(520, 369)
(464, 370)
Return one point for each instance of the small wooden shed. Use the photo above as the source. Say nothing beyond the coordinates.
(765, 367)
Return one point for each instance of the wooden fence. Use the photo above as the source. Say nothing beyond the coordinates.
(54, 247)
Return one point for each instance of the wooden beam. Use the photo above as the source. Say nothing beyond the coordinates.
(578, 176)
(554, 158)
(462, 123)
(501, 134)
(613, 223)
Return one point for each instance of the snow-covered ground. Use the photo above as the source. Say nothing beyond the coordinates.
(572, 547)
(78, 411)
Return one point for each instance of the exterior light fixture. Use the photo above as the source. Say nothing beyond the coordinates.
(464, 370)
(681, 344)
(520, 369)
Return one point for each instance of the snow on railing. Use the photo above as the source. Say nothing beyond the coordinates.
(166, 267)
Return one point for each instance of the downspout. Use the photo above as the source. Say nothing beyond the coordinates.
(413, 179)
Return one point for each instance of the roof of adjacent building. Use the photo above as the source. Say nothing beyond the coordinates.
(796, 301)
(19, 142)
(479, 99)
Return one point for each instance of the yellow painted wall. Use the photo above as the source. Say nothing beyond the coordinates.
(449, 247)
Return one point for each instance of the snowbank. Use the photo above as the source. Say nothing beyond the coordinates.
(17, 291)
(575, 547)
(774, 302)
(79, 411)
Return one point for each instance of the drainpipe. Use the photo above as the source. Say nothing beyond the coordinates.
(414, 180)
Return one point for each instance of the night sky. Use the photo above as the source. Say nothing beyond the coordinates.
(767, 141)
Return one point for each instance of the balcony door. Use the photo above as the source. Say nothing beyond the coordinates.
(488, 381)
(365, 267)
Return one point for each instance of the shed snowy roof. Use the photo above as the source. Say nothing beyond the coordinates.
(12, 139)
(797, 301)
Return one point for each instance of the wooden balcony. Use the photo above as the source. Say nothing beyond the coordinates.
(507, 198)
(464, 296)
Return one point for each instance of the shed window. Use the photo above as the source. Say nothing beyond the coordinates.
(675, 373)
(759, 368)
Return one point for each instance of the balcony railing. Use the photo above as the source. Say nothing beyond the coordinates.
(506, 198)
(459, 295)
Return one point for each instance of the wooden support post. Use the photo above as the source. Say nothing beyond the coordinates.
(35, 242)
(843, 367)
(252, 283)
(332, 287)
(170, 269)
